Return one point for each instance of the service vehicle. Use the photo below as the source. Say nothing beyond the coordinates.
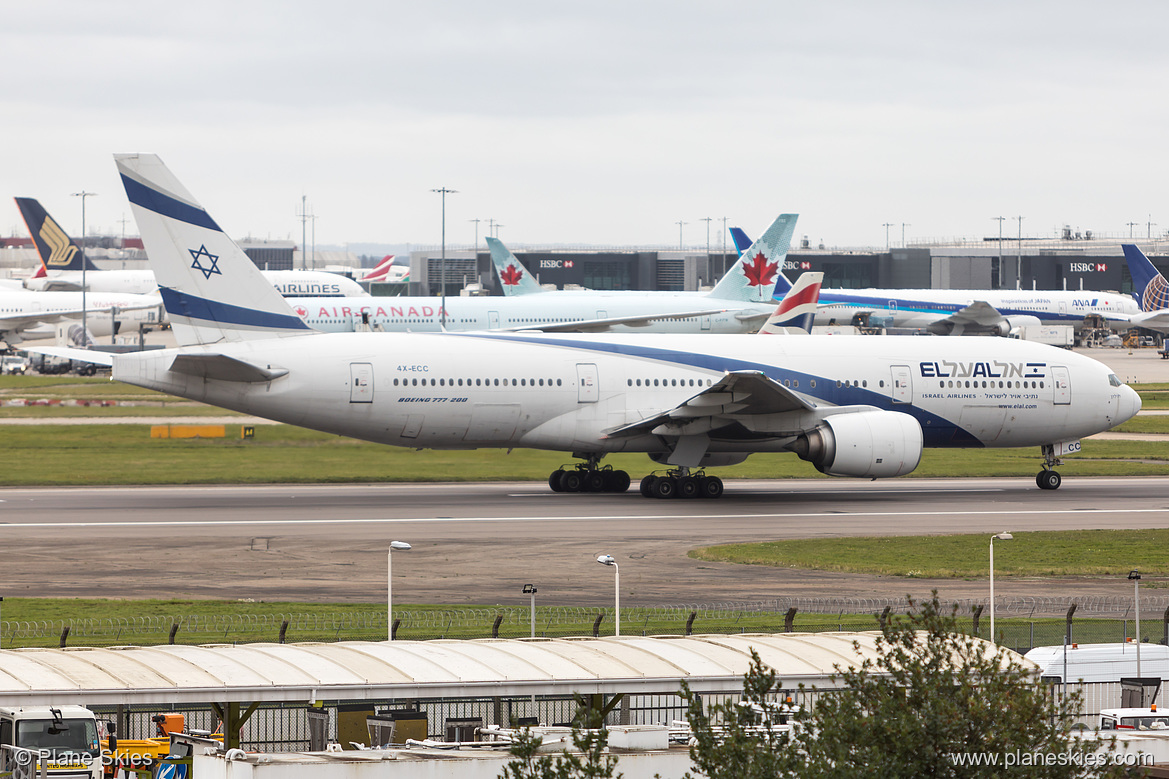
(1100, 662)
(60, 740)
(1135, 718)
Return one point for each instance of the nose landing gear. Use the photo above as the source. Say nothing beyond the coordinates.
(1048, 478)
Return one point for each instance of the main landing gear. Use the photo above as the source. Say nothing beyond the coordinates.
(680, 483)
(589, 477)
(1048, 478)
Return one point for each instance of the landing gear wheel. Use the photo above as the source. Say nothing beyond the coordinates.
(1048, 479)
(570, 481)
(688, 487)
(594, 481)
(665, 487)
(710, 487)
(647, 486)
(554, 481)
(616, 481)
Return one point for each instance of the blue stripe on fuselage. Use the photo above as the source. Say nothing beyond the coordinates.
(933, 307)
(937, 431)
(165, 205)
(194, 307)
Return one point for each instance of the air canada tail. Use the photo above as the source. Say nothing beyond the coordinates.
(56, 249)
(1149, 287)
(513, 276)
(754, 276)
(797, 310)
(212, 291)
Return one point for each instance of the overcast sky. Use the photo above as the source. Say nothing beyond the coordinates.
(595, 122)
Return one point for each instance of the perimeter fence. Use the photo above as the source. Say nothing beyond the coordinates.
(1021, 623)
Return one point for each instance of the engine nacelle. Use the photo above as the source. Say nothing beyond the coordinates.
(868, 444)
(1013, 323)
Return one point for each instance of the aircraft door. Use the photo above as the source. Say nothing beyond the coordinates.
(1061, 384)
(588, 387)
(902, 384)
(493, 320)
(706, 322)
(360, 382)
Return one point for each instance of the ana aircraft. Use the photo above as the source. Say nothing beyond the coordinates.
(62, 260)
(740, 303)
(852, 406)
(963, 311)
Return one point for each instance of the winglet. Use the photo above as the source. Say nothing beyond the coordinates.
(513, 277)
(212, 290)
(1150, 289)
(760, 269)
(798, 307)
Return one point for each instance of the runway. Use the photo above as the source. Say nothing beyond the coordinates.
(480, 543)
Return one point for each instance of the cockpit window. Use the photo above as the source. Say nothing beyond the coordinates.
(1114, 380)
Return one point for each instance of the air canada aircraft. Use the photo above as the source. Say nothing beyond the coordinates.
(62, 260)
(852, 406)
(961, 311)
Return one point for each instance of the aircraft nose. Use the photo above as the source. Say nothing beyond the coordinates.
(1130, 403)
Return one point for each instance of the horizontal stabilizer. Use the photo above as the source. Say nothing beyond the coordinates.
(224, 368)
(68, 353)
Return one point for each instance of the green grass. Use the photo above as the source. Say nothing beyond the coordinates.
(1063, 553)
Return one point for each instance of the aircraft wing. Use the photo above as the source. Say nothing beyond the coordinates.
(979, 315)
(601, 325)
(736, 395)
(49, 284)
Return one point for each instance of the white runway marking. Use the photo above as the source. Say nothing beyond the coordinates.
(561, 518)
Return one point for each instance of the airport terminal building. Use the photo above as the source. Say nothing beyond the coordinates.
(1050, 264)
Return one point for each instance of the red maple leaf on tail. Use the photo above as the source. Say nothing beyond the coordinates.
(759, 271)
(511, 275)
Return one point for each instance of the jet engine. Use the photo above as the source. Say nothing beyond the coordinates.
(868, 444)
(1013, 324)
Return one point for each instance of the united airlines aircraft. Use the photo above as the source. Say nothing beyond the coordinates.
(852, 406)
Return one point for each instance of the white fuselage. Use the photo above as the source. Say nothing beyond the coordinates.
(564, 392)
(129, 310)
(918, 308)
(291, 283)
(424, 314)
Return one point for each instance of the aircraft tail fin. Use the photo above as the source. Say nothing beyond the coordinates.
(56, 249)
(757, 272)
(742, 242)
(513, 276)
(381, 271)
(1149, 287)
(213, 292)
(798, 307)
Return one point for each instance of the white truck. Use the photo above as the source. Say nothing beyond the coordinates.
(1144, 718)
(1100, 662)
(63, 740)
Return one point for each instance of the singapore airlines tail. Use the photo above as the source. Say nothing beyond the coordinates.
(211, 289)
(56, 249)
(513, 276)
(753, 277)
(798, 307)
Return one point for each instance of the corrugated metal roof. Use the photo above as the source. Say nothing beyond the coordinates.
(418, 669)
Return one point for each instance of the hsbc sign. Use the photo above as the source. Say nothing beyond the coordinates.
(1087, 267)
(792, 265)
(556, 263)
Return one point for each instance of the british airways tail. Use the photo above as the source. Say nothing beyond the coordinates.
(212, 291)
(1149, 287)
(56, 249)
(513, 277)
(753, 277)
(742, 242)
(797, 310)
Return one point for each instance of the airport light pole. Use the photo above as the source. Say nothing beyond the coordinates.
(1135, 576)
(680, 223)
(903, 226)
(607, 559)
(1001, 537)
(887, 225)
(444, 192)
(84, 325)
(530, 590)
(403, 547)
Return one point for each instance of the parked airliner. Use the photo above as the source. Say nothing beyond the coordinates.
(962, 311)
(62, 260)
(26, 315)
(739, 303)
(1150, 290)
(852, 406)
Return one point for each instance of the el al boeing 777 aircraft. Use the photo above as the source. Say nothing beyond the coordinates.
(852, 406)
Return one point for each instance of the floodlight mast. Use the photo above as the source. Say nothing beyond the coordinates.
(607, 559)
(404, 547)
